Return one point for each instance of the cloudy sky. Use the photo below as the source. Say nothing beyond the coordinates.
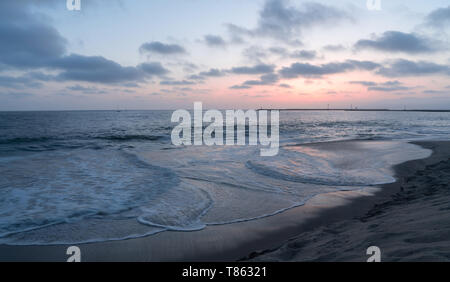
(166, 54)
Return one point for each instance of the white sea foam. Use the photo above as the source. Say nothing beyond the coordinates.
(186, 191)
(119, 188)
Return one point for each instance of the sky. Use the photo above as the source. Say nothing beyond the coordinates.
(228, 54)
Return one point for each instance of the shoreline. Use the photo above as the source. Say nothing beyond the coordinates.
(257, 239)
(410, 224)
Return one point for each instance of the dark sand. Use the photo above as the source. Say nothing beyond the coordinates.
(412, 224)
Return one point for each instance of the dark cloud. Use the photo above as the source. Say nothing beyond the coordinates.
(86, 90)
(37, 75)
(130, 84)
(99, 69)
(439, 17)
(395, 41)
(258, 69)
(279, 51)
(240, 87)
(435, 92)
(214, 40)
(284, 85)
(16, 95)
(195, 77)
(189, 67)
(255, 53)
(78, 88)
(153, 68)
(402, 67)
(177, 82)
(392, 83)
(235, 38)
(203, 75)
(120, 90)
(238, 31)
(364, 83)
(267, 79)
(31, 79)
(161, 48)
(256, 96)
(19, 82)
(280, 20)
(27, 40)
(333, 48)
(387, 86)
(186, 89)
(308, 70)
(304, 54)
(212, 72)
(363, 65)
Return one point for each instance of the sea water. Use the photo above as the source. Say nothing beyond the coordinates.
(89, 176)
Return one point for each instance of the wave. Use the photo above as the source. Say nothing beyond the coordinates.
(61, 143)
(330, 178)
(116, 188)
(75, 185)
(131, 137)
(43, 139)
(21, 140)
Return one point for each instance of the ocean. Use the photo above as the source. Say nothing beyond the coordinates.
(89, 176)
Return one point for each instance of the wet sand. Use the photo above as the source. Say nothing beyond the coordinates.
(411, 225)
(331, 227)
